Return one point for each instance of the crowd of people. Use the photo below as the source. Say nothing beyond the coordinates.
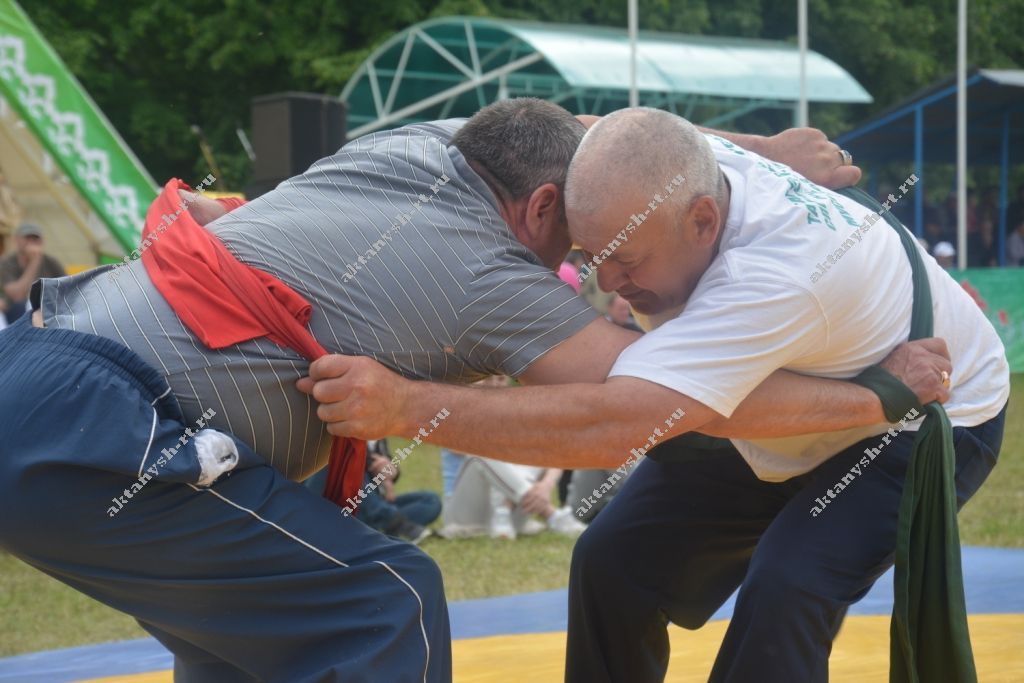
(940, 236)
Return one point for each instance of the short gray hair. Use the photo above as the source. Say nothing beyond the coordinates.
(523, 142)
(643, 149)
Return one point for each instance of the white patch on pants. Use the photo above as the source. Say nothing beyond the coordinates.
(217, 454)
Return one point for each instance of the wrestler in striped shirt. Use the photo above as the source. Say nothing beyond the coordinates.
(451, 295)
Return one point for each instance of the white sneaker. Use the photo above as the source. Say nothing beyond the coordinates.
(501, 523)
(462, 531)
(529, 526)
(563, 522)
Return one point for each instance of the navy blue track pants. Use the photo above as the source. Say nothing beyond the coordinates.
(253, 578)
(690, 526)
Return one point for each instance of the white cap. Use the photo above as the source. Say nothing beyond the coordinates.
(943, 249)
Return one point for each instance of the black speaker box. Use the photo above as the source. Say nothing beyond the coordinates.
(290, 131)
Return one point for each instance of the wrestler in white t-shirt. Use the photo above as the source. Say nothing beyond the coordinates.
(799, 283)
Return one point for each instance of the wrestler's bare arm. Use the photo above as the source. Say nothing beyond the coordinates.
(785, 404)
(361, 398)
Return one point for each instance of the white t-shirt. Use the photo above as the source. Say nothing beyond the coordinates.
(771, 299)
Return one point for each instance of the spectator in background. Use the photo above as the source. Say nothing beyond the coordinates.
(947, 217)
(989, 207)
(20, 269)
(931, 213)
(1015, 245)
(486, 496)
(933, 230)
(973, 210)
(1015, 211)
(452, 461)
(944, 252)
(981, 246)
(404, 515)
(502, 499)
(903, 210)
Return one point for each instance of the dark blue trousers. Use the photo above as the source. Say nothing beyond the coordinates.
(251, 579)
(691, 526)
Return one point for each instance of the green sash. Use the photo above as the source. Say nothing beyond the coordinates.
(929, 640)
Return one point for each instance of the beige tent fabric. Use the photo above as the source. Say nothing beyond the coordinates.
(10, 212)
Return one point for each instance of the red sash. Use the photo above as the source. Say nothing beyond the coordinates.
(225, 302)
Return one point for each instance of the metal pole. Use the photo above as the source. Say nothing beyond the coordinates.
(919, 171)
(1004, 182)
(634, 95)
(801, 30)
(961, 135)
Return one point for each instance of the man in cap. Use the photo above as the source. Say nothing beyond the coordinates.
(19, 269)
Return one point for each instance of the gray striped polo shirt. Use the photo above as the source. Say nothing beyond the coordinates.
(399, 247)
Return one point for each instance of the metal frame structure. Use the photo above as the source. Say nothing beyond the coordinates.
(997, 103)
(456, 65)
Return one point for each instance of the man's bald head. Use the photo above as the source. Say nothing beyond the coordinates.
(630, 155)
(646, 199)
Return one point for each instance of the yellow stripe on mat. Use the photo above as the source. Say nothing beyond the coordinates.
(860, 654)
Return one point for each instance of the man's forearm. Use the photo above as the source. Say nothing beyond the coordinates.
(755, 143)
(788, 404)
(569, 426)
(541, 426)
(592, 425)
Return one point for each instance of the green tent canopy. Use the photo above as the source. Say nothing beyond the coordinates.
(455, 65)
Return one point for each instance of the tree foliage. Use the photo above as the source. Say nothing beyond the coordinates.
(159, 67)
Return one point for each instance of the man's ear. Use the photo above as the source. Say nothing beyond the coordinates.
(705, 219)
(543, 211)
(542, 228)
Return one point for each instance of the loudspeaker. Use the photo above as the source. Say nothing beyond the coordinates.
(290, 131)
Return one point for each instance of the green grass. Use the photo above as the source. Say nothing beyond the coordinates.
(481, 567)
(995, 516)
(38, 613)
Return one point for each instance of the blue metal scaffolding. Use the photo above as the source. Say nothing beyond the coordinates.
(927, 121)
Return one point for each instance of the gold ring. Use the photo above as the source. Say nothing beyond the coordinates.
(945, 379)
